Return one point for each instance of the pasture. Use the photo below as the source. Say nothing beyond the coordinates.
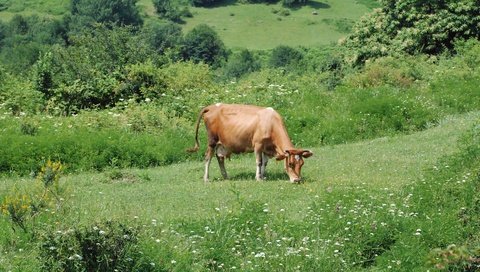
(95, 121)
(242, 224)
(262, 26)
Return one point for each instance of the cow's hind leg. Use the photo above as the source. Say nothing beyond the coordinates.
(221, 163)
(208, 159)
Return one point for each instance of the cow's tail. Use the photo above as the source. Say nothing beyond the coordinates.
(197, 145)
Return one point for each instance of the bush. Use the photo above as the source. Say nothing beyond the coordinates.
(107, 246)
(18, 96)
(412, 26)
(169, 9)
(284, 57)
(120, 13)
(202, 44)
(76, 82)
(163, 37)
(241, 63)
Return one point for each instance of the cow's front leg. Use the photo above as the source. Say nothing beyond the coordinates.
(264, 165)
(259, 162)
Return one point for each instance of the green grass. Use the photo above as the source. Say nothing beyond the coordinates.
(258, 27)
(390, 162)
(49, 8)
(175, 206)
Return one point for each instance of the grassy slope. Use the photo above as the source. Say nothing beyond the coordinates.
(241, 26)
(257, 27)
(177, 191)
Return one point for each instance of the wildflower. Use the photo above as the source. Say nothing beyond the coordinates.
(260, 255)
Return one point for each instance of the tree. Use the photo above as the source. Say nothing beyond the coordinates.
(284, 56)
(202, 44)
(413, 26)
(168, 9)
(241, 63)
(163, 36)
(116, 12)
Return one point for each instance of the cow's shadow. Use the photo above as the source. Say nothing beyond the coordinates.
(270, 176)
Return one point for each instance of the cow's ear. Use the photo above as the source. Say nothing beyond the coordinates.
(307, 153)
(281, 156)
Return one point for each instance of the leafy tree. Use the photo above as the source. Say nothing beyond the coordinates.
(23, 38)
(202, 44)
(168, 9)
(241, 63)
(284, 56)
(91, 72)
(116, 12)
(163, 36)
(413, 26)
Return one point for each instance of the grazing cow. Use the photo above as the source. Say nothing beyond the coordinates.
(244, 128)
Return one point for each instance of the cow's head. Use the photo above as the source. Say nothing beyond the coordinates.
(294, 162)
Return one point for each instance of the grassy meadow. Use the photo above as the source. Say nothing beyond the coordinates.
(49, 8)
(94, 128)
(351, 190)
(264, 26)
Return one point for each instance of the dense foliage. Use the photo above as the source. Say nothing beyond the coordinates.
(202, 44)
(413, 26)
(86, 12)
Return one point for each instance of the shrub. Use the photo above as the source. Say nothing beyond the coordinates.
(241, 63)
(17, 95)
(134, 138)
(202, 44)
(412, 26)
(81, 82)
(120, 13)
(284, 56)
(167, 9)
(17, 208)
(28, 128)
(104, 246)
(163, 37)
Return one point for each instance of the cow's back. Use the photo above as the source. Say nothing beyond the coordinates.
(237, 127)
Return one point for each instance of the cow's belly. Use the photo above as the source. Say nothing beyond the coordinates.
(235, 143)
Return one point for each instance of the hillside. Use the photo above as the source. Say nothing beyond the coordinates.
(260, 26)
(252, 26)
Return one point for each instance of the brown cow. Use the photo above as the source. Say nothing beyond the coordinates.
(244, 128)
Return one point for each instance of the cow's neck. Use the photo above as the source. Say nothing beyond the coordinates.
(282, 142)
